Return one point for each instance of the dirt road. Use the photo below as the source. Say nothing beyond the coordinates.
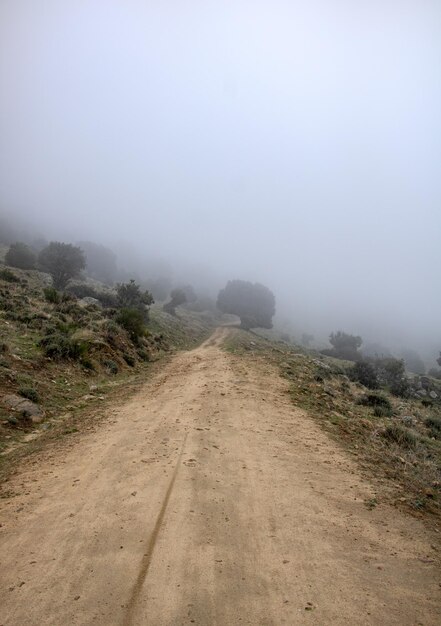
(208, 499)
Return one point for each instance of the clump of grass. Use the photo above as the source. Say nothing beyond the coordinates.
(8, 276)
(364, 373)
(51, 295)
(382, 411)
(111, 366)
(381, 405)
(29, 393)
(61, 346)
(434, 426)
(426, 402)
(129, 359)
(87, 363)
(375, 399)
(404, 437)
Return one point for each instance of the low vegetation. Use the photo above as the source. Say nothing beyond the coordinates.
(396, 439)
(60, 352)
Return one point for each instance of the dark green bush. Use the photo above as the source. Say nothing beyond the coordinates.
(132, 320)
(364, 373)
(391, 372)
(59, 346)
(20, 255)
(382, 411)
(130, 297)
(375, 399)
(30, 393)
(400, 435)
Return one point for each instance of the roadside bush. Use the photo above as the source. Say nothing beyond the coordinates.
(130, 297)
(29, 393)
(364, 373)
(132, 320)
(20, 255)
(400, 435)
(59, 346)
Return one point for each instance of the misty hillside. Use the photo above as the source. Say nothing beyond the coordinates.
(220, 337)
(60, 353)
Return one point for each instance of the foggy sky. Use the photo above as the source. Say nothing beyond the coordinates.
(293, 143)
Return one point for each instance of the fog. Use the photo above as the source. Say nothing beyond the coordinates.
(292, 143)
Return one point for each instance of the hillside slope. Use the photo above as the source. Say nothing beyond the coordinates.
(60, 357)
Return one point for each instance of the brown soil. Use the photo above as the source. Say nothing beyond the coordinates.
(209, 499)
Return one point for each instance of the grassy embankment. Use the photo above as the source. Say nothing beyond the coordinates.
(396, 441)
(73, 360)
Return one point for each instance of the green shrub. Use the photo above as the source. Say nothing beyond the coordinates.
(30, 393)
(375, 399)
(59, 346)
(364, 373)
(51, 295)
(20, 255)
(132, 320)
(392, 373)
(382, 411)
(111, 366)
(400, 435)
(63, 261)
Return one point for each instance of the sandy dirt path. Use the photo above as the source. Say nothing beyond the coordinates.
(209, 499)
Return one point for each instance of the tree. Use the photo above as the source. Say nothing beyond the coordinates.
(132, 321)
(63, 261)
(100, 262)
(254, 303)
(130, 296)
(345, 346)
(20, 255)
(178, 296)
(438, 360)
(392, 373)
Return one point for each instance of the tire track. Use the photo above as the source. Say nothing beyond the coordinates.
(147, 558)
